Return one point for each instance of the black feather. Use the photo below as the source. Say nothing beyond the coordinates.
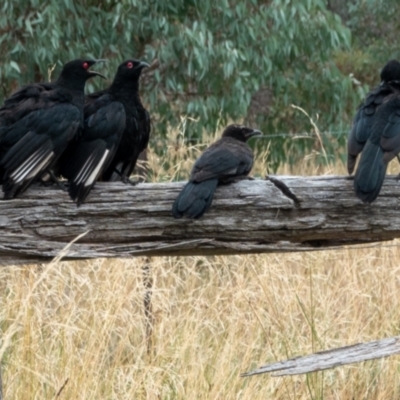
(365, 116)
(226, 159)
(382, 146)
(36, 124)
(370, 173)
(136, 134)
(194, 199)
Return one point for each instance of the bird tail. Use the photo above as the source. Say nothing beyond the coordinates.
(194, 199)
(370, 173)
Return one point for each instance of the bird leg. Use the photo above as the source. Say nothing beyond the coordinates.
(53, 179)
(124, 178)
(127, 181)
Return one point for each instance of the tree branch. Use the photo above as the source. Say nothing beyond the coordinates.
(251, 216)
(332, 358)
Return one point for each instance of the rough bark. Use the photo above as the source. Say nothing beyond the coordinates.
(332, 358)
(251, 216)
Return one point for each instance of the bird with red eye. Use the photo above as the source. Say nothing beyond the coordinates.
(137, 131)
(116, 130)
(36, 124)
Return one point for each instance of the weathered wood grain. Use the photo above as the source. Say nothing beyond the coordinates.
(332, 358)
(251, 216)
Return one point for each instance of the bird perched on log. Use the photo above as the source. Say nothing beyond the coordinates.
(109, 115)
(382, 146)
(36, 124)
(226, 160)
(364, 118)
(136, 135)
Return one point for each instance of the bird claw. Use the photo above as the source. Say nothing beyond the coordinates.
(128, 181)
(53, 180)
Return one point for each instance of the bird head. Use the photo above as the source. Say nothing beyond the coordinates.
(79, 70)
(391, 71)
(132, 68)
(240, 132)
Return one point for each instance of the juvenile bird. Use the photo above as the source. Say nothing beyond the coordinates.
(224, 161)
(36, 124)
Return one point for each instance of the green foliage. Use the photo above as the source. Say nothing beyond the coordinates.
(213, 57)
(375, 38)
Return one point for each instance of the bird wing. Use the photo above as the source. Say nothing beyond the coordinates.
(390, 137)
(138, 140)
(105, 121)
(134, 140)
(88, 157)
(224, 159)
(31, 98)
(34, 142)
(364, 118)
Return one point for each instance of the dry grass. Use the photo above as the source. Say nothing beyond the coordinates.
(214, 317)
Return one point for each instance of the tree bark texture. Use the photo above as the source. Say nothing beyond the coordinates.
(249, 216)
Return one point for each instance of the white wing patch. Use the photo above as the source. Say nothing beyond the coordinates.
(31, 166)
(85, 174)
(94, 174)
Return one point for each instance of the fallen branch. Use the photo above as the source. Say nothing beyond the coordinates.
(332, 358)
(252, 216)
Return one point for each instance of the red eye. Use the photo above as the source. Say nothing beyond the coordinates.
(130, 64)
(85, 65)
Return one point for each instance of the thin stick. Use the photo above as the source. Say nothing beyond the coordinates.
(61, 388)
(1, 385)
(148, 307)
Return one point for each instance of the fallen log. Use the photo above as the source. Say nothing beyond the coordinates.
(250, 216)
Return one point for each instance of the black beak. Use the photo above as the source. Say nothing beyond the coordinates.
(254, 132)
(95, 73)
(143, 64)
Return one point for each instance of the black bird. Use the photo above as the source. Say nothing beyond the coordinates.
(364, 118)
(382, 146)
(109, 114)
(224, 161)
(36, 124)
(137, 127)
